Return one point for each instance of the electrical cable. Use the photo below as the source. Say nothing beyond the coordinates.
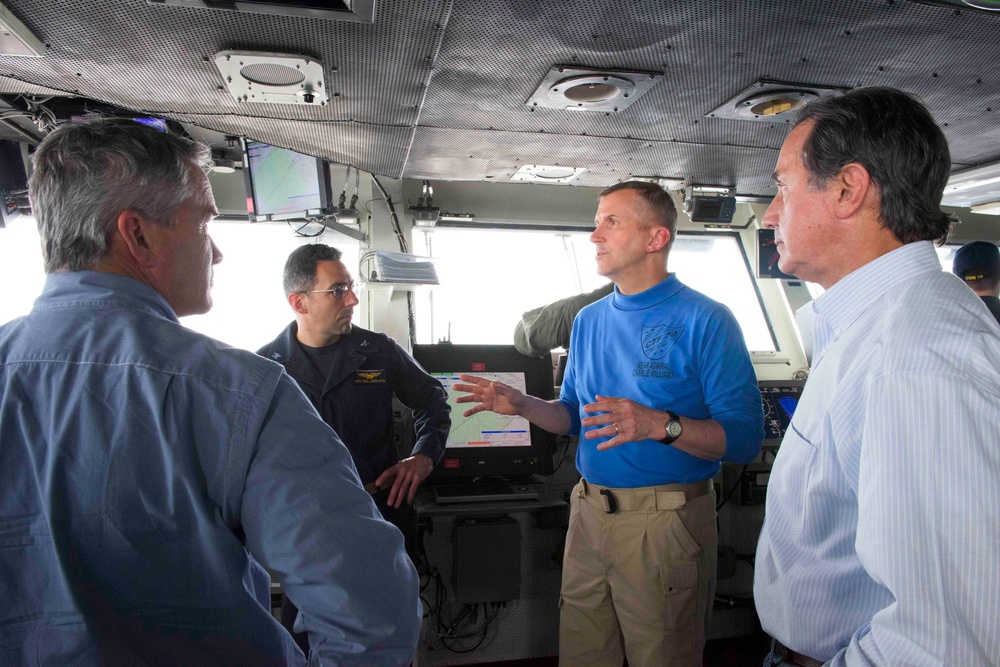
(298, 230)
(739, 480)
(357, 185)
(343, 191)
(393, 219)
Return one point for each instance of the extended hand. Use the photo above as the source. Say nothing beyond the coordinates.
(493, 396)
(408, 474)
(623, 420)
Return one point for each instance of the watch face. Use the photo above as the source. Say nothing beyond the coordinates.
(674, 429)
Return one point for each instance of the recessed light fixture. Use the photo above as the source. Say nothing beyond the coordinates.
(770, 101)
(272, 78)
(578, 89)
(665, 182)
(542, 173)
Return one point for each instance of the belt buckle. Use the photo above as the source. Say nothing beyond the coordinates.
(610, 502)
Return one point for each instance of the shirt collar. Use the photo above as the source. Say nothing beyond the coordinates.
(100, 287)
(841, 305)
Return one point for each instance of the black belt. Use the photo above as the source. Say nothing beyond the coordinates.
(788, 655)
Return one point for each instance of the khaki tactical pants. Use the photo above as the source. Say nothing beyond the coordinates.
(640, 577)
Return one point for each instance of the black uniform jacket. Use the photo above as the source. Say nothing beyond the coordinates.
(368, 368)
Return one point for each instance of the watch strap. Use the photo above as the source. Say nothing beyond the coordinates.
(668, 439)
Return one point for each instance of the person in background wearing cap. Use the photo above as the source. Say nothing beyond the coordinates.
(881, 544)
(978, 264)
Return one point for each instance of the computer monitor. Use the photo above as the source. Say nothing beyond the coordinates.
(282, 184)
(780, 398)
(487, 444)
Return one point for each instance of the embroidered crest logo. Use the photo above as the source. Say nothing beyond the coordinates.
(658, 340)
(369, 375)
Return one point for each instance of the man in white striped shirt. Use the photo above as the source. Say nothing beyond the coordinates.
(882, 539)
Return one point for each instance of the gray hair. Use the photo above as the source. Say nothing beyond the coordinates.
(300, 267)
(86, 173)
(895, 138)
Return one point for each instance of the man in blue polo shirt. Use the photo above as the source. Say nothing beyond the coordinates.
(660, 384)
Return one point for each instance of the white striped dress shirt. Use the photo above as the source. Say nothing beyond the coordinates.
(882, 539)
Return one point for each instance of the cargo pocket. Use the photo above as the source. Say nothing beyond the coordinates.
(682, 631)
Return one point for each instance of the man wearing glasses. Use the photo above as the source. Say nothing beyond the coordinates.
(351, 375)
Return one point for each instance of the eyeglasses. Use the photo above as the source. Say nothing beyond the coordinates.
(338, 291)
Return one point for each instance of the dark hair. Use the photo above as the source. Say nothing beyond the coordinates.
(300, 267)
(85, 173)
(894, 137)
(657, 200)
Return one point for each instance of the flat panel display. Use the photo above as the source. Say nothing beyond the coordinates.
(284, 184)
(485, 429)
(488, 444)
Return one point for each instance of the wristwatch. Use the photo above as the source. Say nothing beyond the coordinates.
(673, 428)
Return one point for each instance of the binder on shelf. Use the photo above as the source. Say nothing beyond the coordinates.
(398, 267)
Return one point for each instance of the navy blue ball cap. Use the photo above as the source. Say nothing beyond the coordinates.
(976, 261)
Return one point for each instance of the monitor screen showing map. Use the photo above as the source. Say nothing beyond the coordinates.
(487, 444)
(282, 183)
(485, 429)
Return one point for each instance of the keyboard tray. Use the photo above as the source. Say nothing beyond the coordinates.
(474, 492)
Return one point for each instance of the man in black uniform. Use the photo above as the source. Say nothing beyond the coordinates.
(978, 264)
(350, 375)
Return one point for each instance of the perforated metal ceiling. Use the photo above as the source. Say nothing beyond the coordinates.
(437, 89)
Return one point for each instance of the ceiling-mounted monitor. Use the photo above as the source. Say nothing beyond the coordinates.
(282, 184)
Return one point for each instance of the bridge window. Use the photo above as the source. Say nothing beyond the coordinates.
(249, 304)
(489, 277)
